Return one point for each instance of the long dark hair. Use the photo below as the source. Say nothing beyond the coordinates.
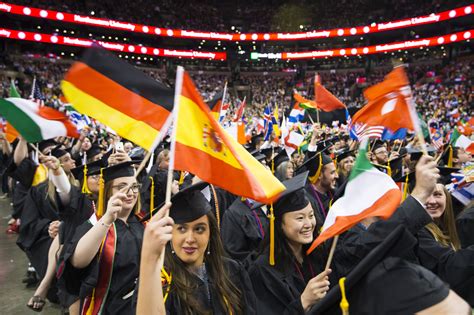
(230, 297)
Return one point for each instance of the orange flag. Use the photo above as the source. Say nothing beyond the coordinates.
(324, 99)
(387, 103)
(204, 148)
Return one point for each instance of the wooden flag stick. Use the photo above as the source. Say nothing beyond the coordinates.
(331, 253)
(36, 149)
(143, 163)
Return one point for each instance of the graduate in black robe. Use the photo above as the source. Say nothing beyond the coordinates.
(296, 281)
(465, 226)
(243, 228)
(196, 278)
(102, 259)
(38, 212)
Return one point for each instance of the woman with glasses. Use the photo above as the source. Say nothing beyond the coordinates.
(102, 260)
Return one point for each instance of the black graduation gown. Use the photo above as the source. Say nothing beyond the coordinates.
(243, 229)
(36, 216)
(454, 267)
(356, 243)
(465, 227)
(239, 278)
(280, 292)
(317, 200)
(224, 201)
(126, 265)
(73, 215)
(23, 175)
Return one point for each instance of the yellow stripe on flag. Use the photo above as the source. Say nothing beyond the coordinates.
(136, 131)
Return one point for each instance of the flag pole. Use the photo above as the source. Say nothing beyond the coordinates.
(222, 102)
(317, 109)
(331, 253)
(414, 116)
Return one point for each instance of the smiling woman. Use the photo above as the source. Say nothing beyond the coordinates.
(199, 279)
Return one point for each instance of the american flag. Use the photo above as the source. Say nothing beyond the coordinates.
(267, 122)
(36, 95)
(437, 139)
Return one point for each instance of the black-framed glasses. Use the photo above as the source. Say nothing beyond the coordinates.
(135, 188)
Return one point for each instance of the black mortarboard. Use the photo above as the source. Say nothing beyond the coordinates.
(189, 204)
(280, 158)
(414, 288)
(415, 153)
(58, 151)
(92, 169)
(268, 151)
(258, 156)
(93, 151)
(444, 172)
(377, 144)
(124, 169)
(46, 143)
(341, 156)
(313, 164)
(293, 198)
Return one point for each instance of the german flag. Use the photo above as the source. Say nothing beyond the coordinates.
(215, 104)
(205, 149)
(118, 95)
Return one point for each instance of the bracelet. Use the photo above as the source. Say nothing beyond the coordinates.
(103, 224)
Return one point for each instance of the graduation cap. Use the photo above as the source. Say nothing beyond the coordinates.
(314, 164)
(293, 198)
(376, 145)
(444, 172)
(415, 153)
(88, 169)
(268, 151)
(46, 143)
(369, 278)
(93, 151)
(58, 151)
(393, 168)
(124, 169)
(344, 154)
(258, 156)
(189, 204)
(280, 158)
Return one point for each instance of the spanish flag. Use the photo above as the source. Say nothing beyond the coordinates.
(203, 148)
(118, 95)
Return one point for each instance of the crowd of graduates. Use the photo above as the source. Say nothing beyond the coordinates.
(81, 210)
(92, 217)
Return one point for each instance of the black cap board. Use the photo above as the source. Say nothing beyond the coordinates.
(341, 156)
(92, 169)
(124, 169)
(45, 144)
(58, 151)
(294, 197)
(280, 158)
(189, 204)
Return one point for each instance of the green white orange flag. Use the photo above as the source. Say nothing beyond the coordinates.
(369, 193)
(36, 123)
(204, 148)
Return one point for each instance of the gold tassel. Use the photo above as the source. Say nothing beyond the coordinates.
(344, 303)
(405, 188)
(313, 179)
(181, 178)
(272, 237)
(389, 170)
(100, 199)
(85, 188)
(91, 305)
(450, 156)
(152, 196)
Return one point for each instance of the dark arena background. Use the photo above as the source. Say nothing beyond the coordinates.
(280, 78)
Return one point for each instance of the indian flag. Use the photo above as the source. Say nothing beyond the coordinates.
(369, 193)
(36, 123)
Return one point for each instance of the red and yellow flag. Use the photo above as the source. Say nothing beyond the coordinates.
(205, 149)
(325, 100)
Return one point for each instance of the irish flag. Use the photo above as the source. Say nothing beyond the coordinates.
(36, 123)
(369, 193)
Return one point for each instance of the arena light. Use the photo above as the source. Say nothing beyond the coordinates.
(114, 46)
(311, 34)
(421, 44)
